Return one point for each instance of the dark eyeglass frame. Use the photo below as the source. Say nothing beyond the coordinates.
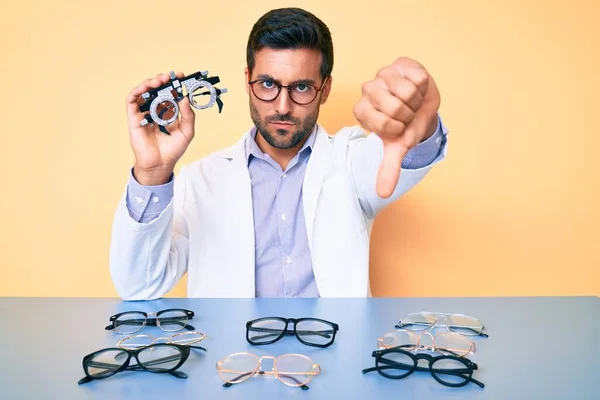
(381, 364)
(289, 89)
(283, 332)
(183, 350)
(153, 321)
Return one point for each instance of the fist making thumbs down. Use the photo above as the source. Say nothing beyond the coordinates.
(400, 106)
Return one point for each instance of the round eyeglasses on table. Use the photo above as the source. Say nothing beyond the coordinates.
(458, 323)
(396, 363)
(448, 343)
(300, 93)
(292, 369)
(309, 331)
(169, 320)
(156, 358)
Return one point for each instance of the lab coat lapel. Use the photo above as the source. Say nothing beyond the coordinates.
(316, 169)
(240, 203)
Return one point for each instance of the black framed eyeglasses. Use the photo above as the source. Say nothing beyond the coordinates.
(157, 358)
(396, 363)
(309, 331)
(169, 320)
(301, 93)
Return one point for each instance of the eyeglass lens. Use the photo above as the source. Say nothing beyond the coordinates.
(268, 90)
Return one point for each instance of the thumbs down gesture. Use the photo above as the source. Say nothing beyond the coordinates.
(400, 106)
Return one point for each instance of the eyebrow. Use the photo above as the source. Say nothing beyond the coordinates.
(296, 82)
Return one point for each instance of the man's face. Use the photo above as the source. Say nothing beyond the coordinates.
(283, 123)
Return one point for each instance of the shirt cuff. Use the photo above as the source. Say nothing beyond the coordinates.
(146, 203)
(427, 151)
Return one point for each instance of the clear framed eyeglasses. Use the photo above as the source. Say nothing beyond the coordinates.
(169, 320)
(458, 323)
(292, 369)
(448, 343)
(143, 340)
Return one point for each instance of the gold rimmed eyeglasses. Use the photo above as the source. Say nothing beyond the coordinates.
(448, 343)
(291, 369)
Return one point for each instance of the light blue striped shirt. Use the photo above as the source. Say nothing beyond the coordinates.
(282, 255)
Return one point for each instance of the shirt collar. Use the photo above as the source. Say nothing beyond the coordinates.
(253, 150)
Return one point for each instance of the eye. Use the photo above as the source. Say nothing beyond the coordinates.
(268, 84)
(301, 87)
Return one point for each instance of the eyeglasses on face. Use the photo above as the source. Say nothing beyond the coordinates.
(450, 371)
(309, 331)
(157, 358)
(292, 369)
(143, 340)
(448, 343)
(169, 320)
(458, 323)
(302, 93)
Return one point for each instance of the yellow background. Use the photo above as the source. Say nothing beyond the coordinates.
(514, 210)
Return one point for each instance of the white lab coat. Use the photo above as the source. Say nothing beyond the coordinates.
(208, 231)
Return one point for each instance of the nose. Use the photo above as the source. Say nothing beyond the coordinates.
(283, 103)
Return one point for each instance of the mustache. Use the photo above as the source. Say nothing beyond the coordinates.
(282, 118)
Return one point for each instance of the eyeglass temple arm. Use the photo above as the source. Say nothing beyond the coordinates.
(227, 384)
(477, 331)
(150, 322)
(277, 332)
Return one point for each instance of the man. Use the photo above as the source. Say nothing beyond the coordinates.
(288, 210)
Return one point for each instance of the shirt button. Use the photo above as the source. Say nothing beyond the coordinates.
(284, 175)
(139, 200)
(288, 260)
(283, 216)
(155, 199)
(438, 140)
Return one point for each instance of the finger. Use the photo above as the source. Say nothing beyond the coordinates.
(389, 170)
(390, 105)
(133, 99)
(377, 122)
(414, 72)
(421, 124)
(401, 87)
(134, 96)
(186, 123)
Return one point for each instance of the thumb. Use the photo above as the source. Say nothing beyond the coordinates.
(389, 170)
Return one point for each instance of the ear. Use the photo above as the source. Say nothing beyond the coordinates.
(247, 78)
(326, 90)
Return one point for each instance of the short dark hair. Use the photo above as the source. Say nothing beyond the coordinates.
(291, 28)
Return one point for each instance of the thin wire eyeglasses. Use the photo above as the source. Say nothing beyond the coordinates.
(292, 369)
(459, 323)
(184, 338)
(169, 320)
(300, 93)
(447, 343)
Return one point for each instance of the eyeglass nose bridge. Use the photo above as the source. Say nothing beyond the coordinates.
(262, 371)
(421, 346)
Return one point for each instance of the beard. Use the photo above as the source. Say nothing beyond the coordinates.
(284, 138)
